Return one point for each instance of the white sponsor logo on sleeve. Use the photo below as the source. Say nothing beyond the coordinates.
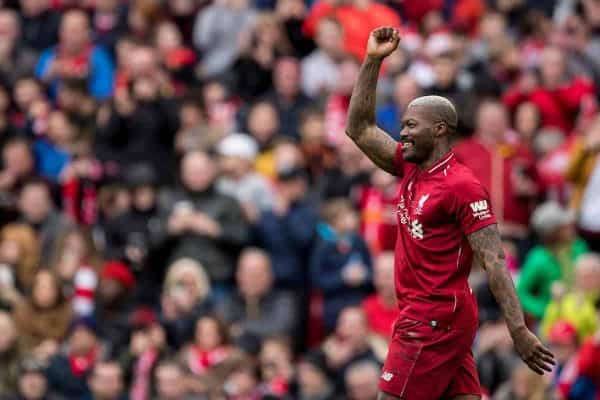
(480, 209)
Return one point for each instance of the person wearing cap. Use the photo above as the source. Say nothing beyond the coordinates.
(237, 154)
(577, 306)
(114, 304)
(552, 261)
(69, 370)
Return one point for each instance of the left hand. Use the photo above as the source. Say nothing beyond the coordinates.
(203, 224)
(532, 351)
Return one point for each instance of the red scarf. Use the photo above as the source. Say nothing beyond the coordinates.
(76, 65)
(201, 360)
(81, 364)
(140, 387)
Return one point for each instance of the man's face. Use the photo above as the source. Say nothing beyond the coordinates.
(417, 135)
(17, 159)
(35, 203)
(254, 275)
(363, 386)
(33, 385)
(74, 31)
(106, 382)
(492, 121)
(197, 172)
(9, 28)
(286, 77)
(330, 38)
(352, 326)
(82, 341)
(168, 382)
(445, 69)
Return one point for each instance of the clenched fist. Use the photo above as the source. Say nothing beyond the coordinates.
(382, 42)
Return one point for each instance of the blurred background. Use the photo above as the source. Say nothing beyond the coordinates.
(183, 217)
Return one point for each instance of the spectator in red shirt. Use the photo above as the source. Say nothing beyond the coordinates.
(358, 19)
(504, 167)
(380, 307)
(558, 97)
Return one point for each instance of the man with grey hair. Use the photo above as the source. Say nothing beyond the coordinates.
(445, 221)
(361, 380)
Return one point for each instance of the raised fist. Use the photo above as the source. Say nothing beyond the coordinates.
(382, 42)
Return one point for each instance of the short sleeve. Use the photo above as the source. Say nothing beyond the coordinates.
(470, 205)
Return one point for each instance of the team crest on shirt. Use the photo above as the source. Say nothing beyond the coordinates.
(421, 203)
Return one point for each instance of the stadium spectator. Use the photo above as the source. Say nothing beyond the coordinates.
(219, 42)
(109, 23)
(177, 59)
(505, 167)
(106, 382)
(147, 346)
(205, 225)
(371, 15)
(43, 334)
(69, 370)
(313, 378)
(237, 152)
(524, 385)
(40, 24)
(583, 171)
(257, 308)
(378, 203)
(336, 107)
(549, 266)
(33, 384)
(209, 348)
(349, 343)
(287, 96)
(76, 57)
(19, 254)
(114, 305)
(15, 60)
(389, 115)
(380, 307)
(577, 307)
(37, 210)
(320, 68)
(276, 367)
(9, 355)
(18, 164)
(186, 296)
(340, 264)
(169, 381)
(286, 231)
(361, 380)
(76, 262)
(558, 97)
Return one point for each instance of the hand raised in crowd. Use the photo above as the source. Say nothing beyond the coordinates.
(382, 42)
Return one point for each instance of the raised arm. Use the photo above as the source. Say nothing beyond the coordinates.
(361, 126)
(487, 248)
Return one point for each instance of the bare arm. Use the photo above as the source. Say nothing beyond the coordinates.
(487, 248)
(361, 126)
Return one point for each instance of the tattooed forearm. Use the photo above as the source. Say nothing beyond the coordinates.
(361, 126)
(487, 248)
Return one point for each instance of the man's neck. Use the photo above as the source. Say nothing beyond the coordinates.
(436, 155)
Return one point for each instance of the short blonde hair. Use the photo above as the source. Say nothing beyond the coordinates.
(188, 265)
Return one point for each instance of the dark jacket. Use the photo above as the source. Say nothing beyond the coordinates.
(288, 239)
(40, 32)
(181, 330)
(217, 255)
(276, 314)
(62, 382)
(289, 113)
(329, 258)
(144, 136)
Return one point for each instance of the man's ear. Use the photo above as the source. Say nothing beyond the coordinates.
(440, 129)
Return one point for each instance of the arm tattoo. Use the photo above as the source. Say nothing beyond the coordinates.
(361, 126)
(487, 248)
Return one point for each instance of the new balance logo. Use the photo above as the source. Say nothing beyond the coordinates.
(416, 230)
(480, 209)
(387, 376)
(477, 206)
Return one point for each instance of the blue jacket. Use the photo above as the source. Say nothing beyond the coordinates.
(50, 160)
(330, 256)
(101, 76)
(288, 239)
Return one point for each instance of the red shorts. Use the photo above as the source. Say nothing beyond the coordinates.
(430, 363)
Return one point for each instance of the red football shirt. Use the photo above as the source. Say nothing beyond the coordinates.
(437, 209)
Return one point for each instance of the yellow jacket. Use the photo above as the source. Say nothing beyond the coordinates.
(575, 308)
(579, 170)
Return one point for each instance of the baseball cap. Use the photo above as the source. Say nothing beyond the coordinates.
(119, 272)
(562, 332)
(550, 216)
(238, 145)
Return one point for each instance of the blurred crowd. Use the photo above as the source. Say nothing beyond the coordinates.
(183, 217)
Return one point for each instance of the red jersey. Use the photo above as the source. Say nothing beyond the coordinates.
(437, 209)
